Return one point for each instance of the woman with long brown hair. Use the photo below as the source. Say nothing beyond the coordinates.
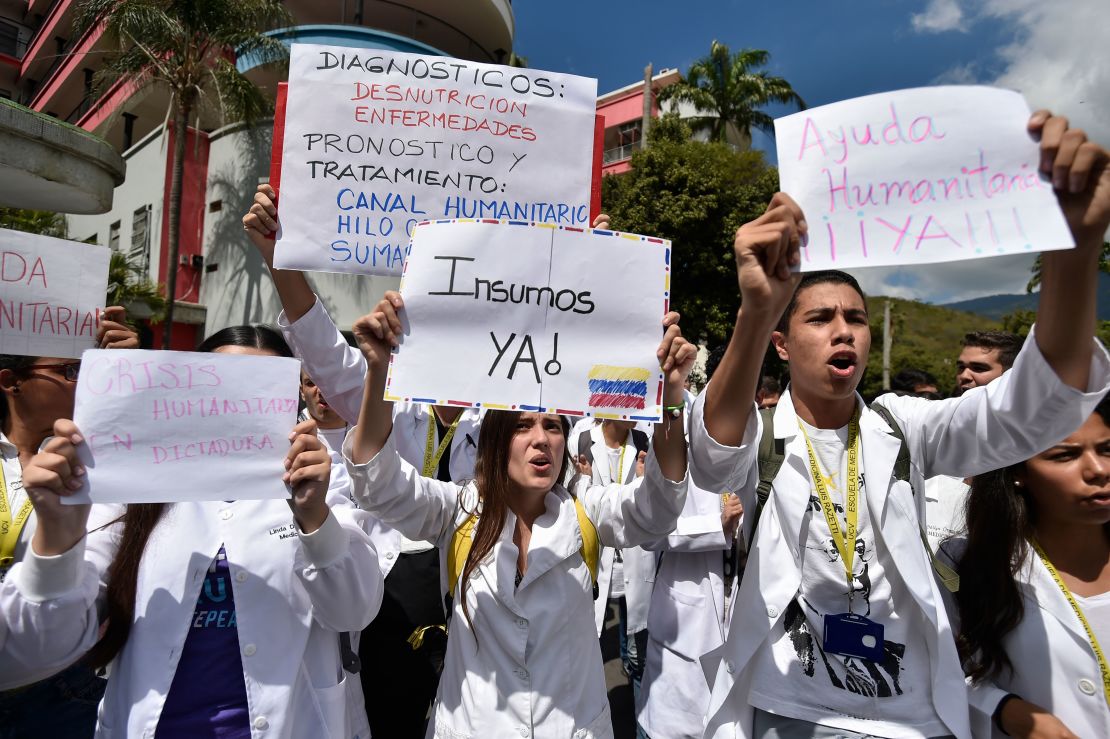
(523, 656)
(1034, 597)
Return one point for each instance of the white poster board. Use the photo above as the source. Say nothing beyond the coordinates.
(377, 141)
(932, 174)
(164, 426)
(51, 294)
(513, 316)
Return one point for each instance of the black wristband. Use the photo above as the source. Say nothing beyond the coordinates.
(997, 715)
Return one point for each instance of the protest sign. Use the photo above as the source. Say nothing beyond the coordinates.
(51, 294)
(519, 316)
(933, 174)
(375, 141)
(165, 426)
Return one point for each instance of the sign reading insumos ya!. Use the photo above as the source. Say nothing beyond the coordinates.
(519, 316)
(376, 141)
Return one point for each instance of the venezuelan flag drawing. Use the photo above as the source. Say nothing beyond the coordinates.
(618, 387)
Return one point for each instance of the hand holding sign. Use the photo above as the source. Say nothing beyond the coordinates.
(52, 475)
(308, 470)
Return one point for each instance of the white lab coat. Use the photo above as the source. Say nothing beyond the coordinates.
(687, 620)
(528, 663)
(293, 594)
(339, 370)
(639, 564)
(1054, 666)
(1011, 419)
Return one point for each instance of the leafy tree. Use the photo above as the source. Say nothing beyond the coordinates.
(1021, 320)
(187, 48)
(34, 221)
(728, 89)
(696, 194)
(130, 287)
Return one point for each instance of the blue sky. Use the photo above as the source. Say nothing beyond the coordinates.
(1057, 53)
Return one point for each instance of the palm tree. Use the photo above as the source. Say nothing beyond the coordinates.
(727, 90)
(130, 287)
(187, 47)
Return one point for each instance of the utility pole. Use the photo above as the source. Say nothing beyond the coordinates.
(645, 124)
(886, 345)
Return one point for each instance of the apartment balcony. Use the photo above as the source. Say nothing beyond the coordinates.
(480, 30)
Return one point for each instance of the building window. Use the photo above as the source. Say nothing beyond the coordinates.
(113, 236)
(9, 39)
(140, 239)
(629, 133)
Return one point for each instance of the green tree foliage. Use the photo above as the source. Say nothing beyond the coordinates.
(696, 194)
(130, 287)
(729, 89)
(1035, 278)
(188, 48)
(34, 221)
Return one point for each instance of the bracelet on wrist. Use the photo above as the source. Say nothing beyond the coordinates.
(674, 411)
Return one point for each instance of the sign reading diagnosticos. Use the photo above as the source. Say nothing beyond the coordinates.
(376, 141)
(518, 316)
(165, 426)
(933, 174)
(51, 294)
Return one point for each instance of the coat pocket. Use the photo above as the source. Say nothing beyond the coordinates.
(333, 709)
(686, 624)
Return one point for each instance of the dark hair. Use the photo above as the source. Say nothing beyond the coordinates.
(1000, 518)
(1007, 344)
(822, 277)
(140, 519)
(713, 360)
(770, 385)
(908, 379)
(18, 364)
(255, 336)
(491, 476)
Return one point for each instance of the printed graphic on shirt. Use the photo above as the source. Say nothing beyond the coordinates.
(215, 607)
(855, 675)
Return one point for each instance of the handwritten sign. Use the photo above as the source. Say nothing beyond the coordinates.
(933, 174)
(519, 316)
(183, 426)
(377, 141)
(51, 294)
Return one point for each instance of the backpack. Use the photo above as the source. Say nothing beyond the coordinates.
(772, 453)
(462, 539)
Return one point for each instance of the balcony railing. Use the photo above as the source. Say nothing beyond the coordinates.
(620, 153)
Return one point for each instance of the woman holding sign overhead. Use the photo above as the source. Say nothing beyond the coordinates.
(222, 618)
(520, 549)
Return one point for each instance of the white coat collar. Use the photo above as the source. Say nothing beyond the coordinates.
(786, 418)
(1049, 597)
(600, 451)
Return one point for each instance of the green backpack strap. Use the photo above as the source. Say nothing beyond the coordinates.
(772, 453)
(948, 576)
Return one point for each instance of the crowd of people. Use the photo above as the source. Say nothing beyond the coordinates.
(786, 561)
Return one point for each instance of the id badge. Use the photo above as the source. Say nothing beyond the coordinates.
(850, 635)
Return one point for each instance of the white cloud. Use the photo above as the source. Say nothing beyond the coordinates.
(939, 16)
(949, 282)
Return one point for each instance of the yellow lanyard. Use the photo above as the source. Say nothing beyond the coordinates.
(845, 542)
(1103, 668)
(432, 453)
(620, 466)
(10, 530)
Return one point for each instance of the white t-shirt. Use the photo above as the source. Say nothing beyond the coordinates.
(796, 678)
(945, 499)
(1096, 609)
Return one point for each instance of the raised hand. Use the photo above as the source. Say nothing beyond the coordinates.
(51, 475)
(114, 333)
(307, 473)
(676, 358)
(1080, 172)
(260, 222)
(380, 330)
